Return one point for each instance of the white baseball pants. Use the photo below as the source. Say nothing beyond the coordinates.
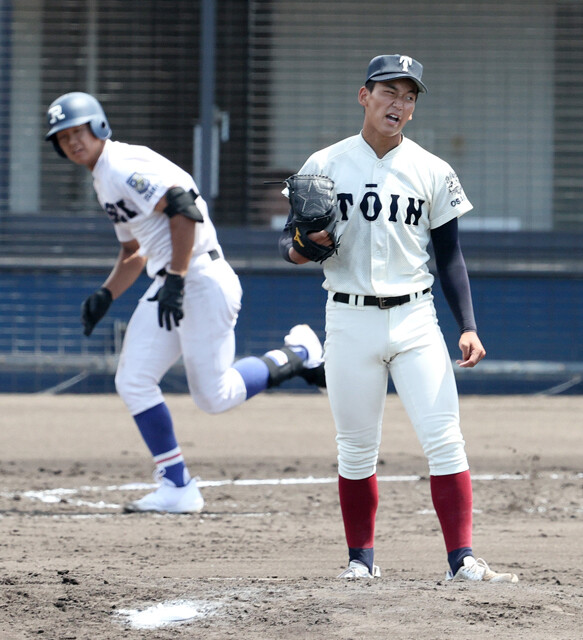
(205, 339)
(362, 345)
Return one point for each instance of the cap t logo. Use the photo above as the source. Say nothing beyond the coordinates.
(405, 62)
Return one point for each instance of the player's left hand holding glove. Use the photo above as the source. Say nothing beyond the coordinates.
(94, 308)
(312, 200)
(170, 297)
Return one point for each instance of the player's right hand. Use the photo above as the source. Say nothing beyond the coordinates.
(94, 308)
(170, 296)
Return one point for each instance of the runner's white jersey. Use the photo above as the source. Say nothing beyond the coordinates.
(129, 180)
(386, 210)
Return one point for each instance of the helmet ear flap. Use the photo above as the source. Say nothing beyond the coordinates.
(100, 128)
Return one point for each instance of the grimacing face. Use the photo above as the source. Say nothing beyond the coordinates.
(388, 107)
(80, 145)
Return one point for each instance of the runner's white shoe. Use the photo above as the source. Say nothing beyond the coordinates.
(302, 336)
(478, 570)
(168, 498)
(358, 570)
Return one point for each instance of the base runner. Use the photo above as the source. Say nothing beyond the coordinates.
(191, 306)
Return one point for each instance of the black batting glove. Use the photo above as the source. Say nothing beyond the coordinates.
(94, 308)
(170, 296)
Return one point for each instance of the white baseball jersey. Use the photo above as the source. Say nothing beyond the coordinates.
(387, 207)
(129, 180)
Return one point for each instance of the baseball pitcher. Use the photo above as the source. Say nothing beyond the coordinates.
(392, 199)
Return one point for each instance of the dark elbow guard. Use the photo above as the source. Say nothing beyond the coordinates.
(182, 202)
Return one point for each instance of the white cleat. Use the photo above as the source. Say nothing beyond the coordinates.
(477, 570)
(313, 371)
(168, 498)
(303, 336)
(358, 570)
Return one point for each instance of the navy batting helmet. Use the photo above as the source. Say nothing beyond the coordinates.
(72, 110)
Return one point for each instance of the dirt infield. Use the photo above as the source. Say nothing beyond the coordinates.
(261, 560)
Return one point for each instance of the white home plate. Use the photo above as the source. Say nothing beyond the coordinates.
(167, 613)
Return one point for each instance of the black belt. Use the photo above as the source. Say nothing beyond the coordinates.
(213, 253)
(381, 303)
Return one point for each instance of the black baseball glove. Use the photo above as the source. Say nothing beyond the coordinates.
(170, 296)
(312, 200)
(94, 308)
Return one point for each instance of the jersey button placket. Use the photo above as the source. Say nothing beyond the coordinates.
(376, 252)
(378, 263)
(379, 240)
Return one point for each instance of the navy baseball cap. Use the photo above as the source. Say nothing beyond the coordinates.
(396, 66)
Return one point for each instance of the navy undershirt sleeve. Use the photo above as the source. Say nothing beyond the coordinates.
(453, 274)
(286, 241)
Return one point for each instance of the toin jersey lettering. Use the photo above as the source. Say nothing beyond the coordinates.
(371, 207)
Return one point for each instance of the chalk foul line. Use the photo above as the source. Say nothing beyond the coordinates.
(61, 494)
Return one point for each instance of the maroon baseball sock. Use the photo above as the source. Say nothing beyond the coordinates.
(452, 499)
(359, 500)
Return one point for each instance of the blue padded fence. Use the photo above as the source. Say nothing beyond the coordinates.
(534, 320)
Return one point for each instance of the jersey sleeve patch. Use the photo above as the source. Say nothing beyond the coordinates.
(454, 187)
(453, 183)
(141, 185)
(138, 182)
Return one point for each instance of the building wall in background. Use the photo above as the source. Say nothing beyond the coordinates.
(489, 67)
(503, 106)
